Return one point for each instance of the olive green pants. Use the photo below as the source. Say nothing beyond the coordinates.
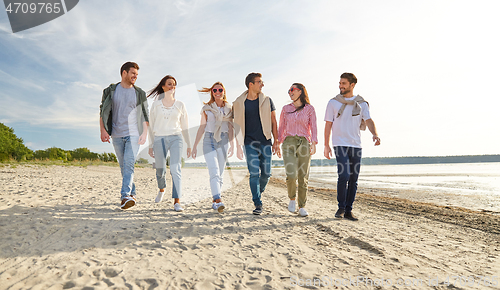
(297, 161)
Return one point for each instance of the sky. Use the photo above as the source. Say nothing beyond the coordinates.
(429, 69)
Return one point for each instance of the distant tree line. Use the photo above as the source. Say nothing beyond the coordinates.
(55, 153)
(12, 147)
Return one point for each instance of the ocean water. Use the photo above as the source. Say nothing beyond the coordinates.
(470, 185)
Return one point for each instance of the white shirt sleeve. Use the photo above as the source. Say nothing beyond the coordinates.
(152, 117)
(365, 111)
(185, 125)
(329, 112)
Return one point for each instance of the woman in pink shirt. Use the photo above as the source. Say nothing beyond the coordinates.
(298, 135)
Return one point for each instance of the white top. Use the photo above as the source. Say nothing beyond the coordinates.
(224, 128)
(165, 121)
(345, 129)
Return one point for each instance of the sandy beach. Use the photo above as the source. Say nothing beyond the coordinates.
(61, 228)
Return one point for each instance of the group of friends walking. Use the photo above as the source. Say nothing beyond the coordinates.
(250, 121)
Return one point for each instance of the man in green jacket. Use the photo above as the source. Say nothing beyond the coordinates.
(124, 118)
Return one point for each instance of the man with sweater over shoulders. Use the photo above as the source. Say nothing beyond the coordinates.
(255, 125)
(345, 116)
(124, 118)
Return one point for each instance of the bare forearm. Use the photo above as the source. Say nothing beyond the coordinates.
(275, 132)
(101, 123)
(371, 126)
(328, 131)
(201, 129)
(274, 126)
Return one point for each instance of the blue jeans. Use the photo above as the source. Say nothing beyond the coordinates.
(126, 149)
(161, 146)
(348, 166)
(258, 159)
(216, 157)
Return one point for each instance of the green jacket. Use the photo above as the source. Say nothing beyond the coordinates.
(107, 103)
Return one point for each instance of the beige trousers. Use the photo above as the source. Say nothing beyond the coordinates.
(297, 161)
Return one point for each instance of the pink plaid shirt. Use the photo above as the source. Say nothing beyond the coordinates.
(301, 123)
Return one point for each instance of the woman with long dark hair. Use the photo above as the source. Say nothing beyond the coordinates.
(297, 132)
(168, 122)
(216, 126)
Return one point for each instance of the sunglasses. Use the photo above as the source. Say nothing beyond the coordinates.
(293, 89)
(215, 90)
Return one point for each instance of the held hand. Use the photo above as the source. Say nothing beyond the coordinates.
(276, 148)
(327, 152)
(193, 153)
(313, 149)
(151, 153)
(142, 138)
(104, 136)
(230, 151)
(188, 152)
(239, 152)
(376, 139)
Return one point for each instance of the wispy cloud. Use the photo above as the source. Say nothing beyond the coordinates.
(88, 86)
(7, 78)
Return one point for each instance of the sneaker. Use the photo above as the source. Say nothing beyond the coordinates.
(257, 210)
(177, 207)
(350, 216)
(127, 202)
(159, 197)
(214, 205)
(340, 213)
(303, 212)
(219, 207)
(291, 206)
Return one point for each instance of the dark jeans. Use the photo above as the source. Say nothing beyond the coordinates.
(259, 166)
(348, 166)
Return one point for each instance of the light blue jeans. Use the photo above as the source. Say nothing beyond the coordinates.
(259, 166)
(126, 149)
(216, 157)
(161, 146)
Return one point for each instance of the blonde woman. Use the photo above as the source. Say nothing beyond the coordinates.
(297, 132)
(216, 126)
(168, 123)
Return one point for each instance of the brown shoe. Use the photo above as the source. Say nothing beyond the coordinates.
(350, 216)
(127, 202)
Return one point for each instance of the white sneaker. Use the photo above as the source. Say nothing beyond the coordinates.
(159, 197)
(303, 212)
(219, 207)
(291, 206)
(214, 205)
(177, 207)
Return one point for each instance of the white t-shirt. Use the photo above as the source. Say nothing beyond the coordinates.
(345, 129)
